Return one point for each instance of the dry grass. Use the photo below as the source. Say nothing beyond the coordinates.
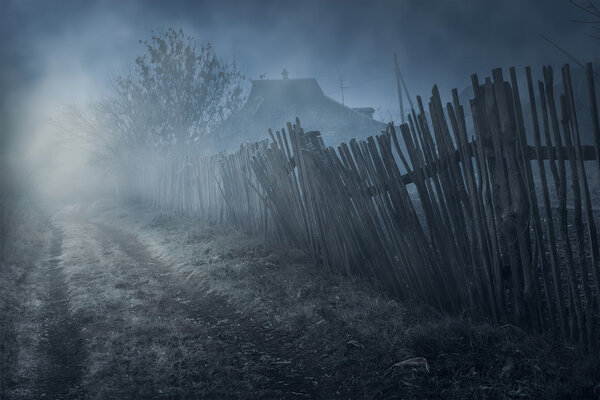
(352, 332)
(27, 242)
(170, 307)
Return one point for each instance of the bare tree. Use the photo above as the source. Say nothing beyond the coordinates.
(592, 9)
(177, 94)
(171, 100)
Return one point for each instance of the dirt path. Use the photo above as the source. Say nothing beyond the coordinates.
(259, 353)
(138, 332)
(60, 348)
(128, 304)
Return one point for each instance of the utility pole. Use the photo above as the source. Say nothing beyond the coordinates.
(400, 80)
(342, 87)
(399, 88)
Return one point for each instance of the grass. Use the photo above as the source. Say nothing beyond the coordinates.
(353, 333)
(25, 241)
(171, 307)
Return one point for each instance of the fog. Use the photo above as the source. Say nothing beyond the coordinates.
(412, 265)
(64, 53)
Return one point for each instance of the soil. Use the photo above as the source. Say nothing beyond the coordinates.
(121, 302)
(61, 346)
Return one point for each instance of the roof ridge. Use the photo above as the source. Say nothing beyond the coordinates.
(284, 80)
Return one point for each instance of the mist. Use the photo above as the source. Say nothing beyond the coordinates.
(66, 53)
(147, 253)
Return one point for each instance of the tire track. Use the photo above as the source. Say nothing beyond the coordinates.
(268, 351)
(61, 349)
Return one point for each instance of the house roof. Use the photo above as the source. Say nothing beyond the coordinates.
(271, 103)
(298, 88)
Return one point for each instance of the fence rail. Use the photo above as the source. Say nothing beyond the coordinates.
(493, 225)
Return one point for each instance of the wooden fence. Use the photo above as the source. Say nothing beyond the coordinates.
(221, 188)
(491, 225)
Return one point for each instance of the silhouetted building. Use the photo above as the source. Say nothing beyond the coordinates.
(366, 111)
(273, 102)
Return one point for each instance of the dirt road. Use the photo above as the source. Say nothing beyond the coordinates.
(129, 304)
(125, 303)
(115, 323)
(60, 346)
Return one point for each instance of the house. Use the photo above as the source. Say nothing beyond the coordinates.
(366, 111)
(273, 102)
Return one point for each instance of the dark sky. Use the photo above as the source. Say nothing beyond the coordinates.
(65, 51)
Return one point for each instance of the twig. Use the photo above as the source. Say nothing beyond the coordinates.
(563, 51)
